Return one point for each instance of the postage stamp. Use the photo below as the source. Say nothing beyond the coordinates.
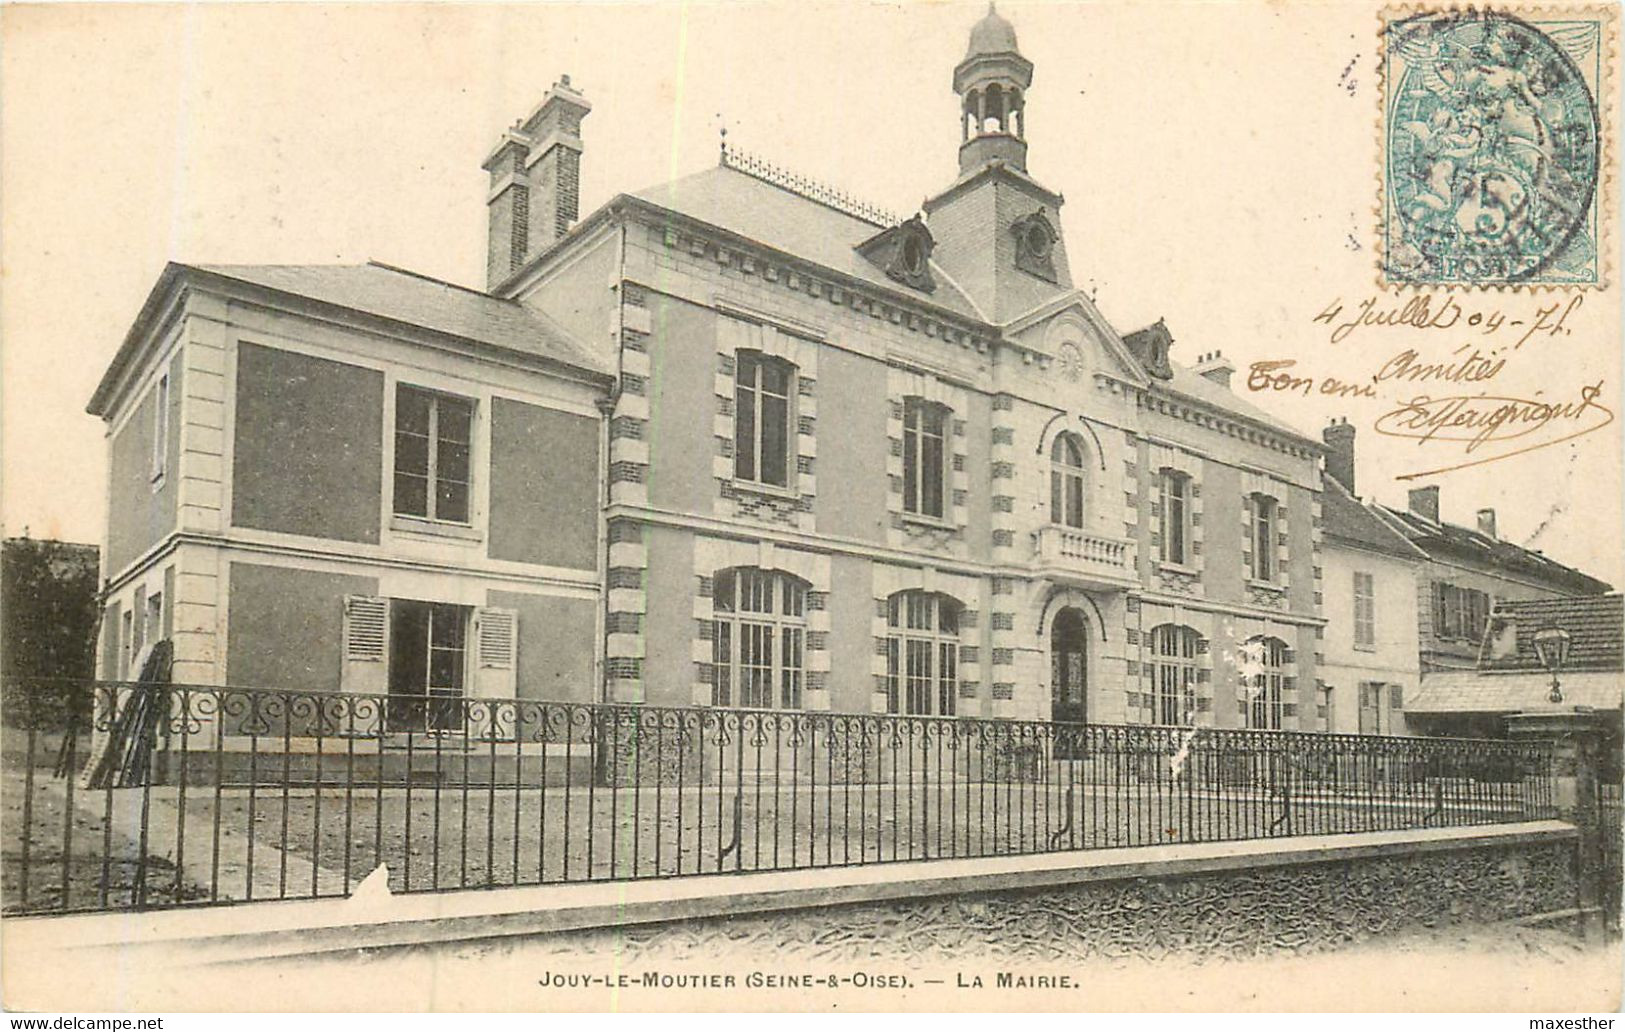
(1494, 161)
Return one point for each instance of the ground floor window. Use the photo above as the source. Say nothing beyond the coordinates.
(758, 638)
(428, 663)
(922, 653)
(1173, 667)
(1266, 658)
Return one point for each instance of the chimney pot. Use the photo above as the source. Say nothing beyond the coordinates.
(1424, 501)
(535, 182)
(1215, 367)
(1486, 522)
(1339, 438)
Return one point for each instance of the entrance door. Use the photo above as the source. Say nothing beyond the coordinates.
(1069, 668)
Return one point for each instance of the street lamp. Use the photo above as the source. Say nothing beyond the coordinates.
(1552, 646)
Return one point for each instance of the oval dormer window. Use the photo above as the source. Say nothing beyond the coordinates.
(1038, 241)
(913, 256)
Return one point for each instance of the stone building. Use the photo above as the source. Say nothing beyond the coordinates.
(733, 440)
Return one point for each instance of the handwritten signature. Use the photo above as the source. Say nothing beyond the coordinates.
(1484, 419)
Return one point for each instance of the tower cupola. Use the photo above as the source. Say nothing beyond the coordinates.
(992, 82)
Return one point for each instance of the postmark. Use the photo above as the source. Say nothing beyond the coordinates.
(1493, 149)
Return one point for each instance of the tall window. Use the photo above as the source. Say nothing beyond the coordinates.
(1173, 652)
(925, 439)
(1371, 707)
(763, 386)
(1264, 518)
(1066, 481)
(1265, 703)
(155, 616)
(758, 638)
(160, 427)
(922, 653)
(428, 661)
(433, 435)
(1175, 490)
(1365, 611)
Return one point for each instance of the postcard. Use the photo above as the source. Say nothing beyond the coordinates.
(811, 507)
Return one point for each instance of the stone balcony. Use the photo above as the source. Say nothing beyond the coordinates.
(1084, 559)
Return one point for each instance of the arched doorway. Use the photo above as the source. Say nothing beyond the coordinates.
(1069, 667)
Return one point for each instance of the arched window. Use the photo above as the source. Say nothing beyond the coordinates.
(1066, 481)
(922, 653)
(1174, 489)
(925, 456)
(763, 388)
(758, 638)
(1264, 669)
(1173, 665)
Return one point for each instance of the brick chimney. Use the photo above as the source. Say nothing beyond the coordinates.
(1215, 367)
(1486, 522)
(1424, 501)
(535, 191)
(1339, 438)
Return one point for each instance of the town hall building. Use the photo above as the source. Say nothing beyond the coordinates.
(729, 441)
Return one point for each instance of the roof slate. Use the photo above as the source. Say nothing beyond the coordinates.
(1349, 520)
(383, 290)
(1447, 539)
(785, 221)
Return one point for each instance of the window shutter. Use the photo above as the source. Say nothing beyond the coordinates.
(1396, 696)
(365, 646)
(496, 652)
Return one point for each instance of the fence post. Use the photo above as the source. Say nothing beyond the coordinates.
(1576, 740)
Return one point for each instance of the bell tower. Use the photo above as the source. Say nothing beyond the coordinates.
(992, 84)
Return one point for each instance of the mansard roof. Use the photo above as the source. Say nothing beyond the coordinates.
(783, 220)
(384, 292)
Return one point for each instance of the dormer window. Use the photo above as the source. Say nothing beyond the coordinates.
(913, 256)
(903, 252)
(1035, 245)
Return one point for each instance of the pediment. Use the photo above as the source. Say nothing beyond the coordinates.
(1077, 338)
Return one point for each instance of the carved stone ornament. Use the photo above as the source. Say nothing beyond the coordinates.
(1069, 359)
(1035, 245)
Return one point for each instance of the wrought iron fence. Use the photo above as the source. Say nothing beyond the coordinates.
(169, 795)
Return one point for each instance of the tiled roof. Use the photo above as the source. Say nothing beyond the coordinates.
(1472, 691)
(1596, 626)
(1450, 540)
(392, 293)
(785, 221)
(1349, 520)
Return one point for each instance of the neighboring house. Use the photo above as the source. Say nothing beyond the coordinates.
(733, 440)
(1467, 573)
(1370, 650)
(1508, 676)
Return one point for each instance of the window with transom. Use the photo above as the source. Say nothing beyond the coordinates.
(925, 456)
(1174, 489)
(758, 638)
(1173, 672)
(763, 389)
(1265, 704)
(922, 653)
(1066, 481)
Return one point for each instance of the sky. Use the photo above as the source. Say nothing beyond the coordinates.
(1218, 163)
